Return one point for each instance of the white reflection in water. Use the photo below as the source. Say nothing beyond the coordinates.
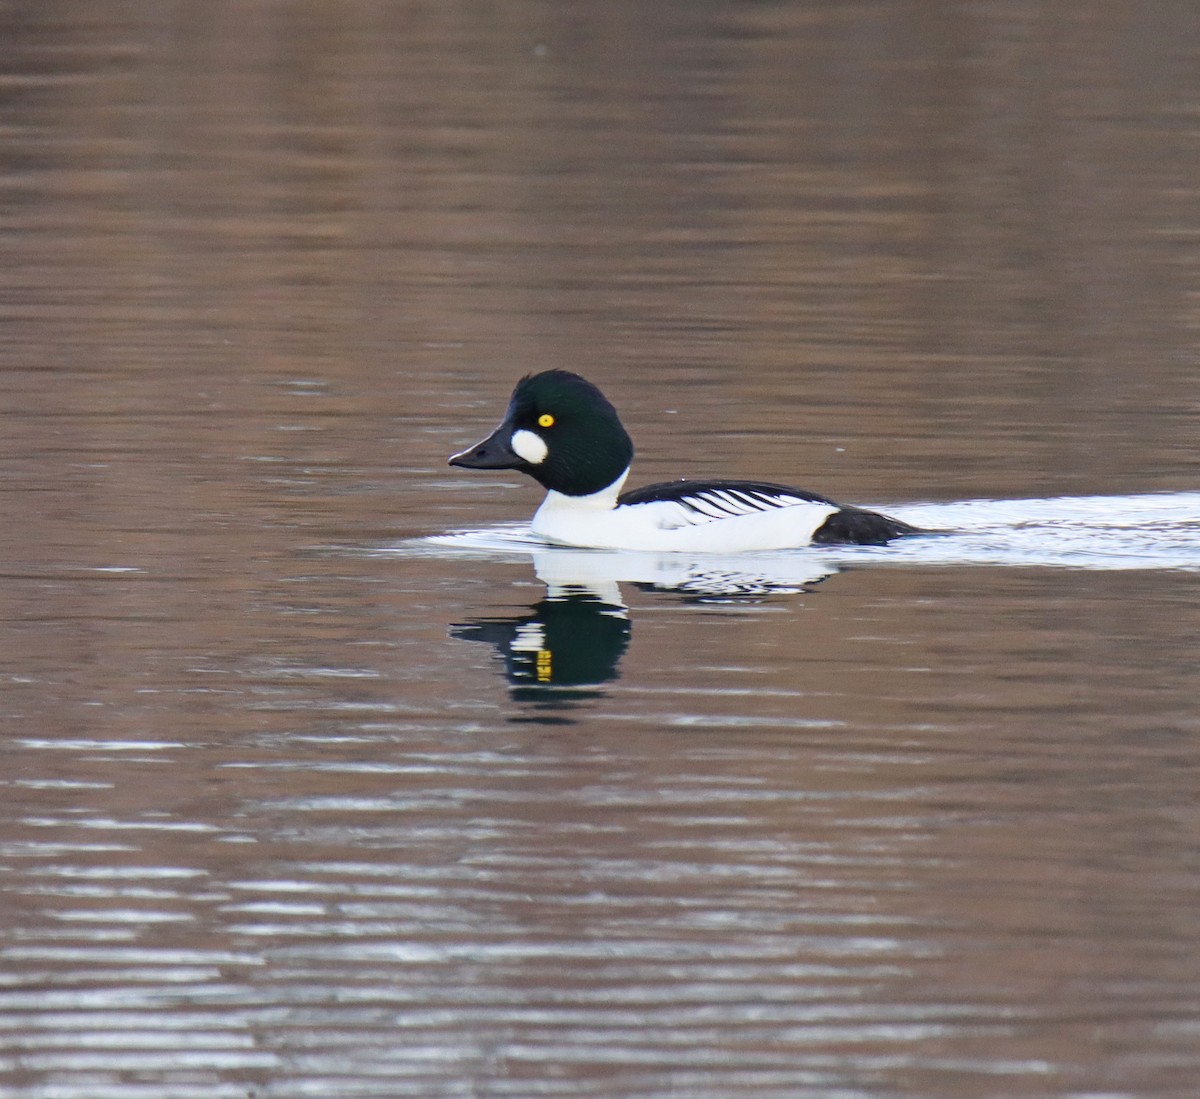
(569, 643)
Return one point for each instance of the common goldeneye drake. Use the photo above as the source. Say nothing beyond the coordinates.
(562, 431)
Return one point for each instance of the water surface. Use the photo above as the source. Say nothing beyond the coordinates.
(307, 792)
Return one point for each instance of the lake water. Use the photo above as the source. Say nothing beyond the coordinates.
(321, 779)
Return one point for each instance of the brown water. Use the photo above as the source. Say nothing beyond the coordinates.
(298, 804)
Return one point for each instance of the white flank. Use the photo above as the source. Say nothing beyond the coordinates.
(594, 521)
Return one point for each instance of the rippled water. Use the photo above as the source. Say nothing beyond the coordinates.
(320, 777)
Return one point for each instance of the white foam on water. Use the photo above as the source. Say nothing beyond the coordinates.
(1148, 531)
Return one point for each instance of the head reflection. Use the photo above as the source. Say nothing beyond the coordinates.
(569, 641)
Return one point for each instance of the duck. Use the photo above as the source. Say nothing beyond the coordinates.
(565, 434)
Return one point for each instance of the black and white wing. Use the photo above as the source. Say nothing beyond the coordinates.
(721, 499)
(692, 503)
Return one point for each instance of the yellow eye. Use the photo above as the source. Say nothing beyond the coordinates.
(545, 420)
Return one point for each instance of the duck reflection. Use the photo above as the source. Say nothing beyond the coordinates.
(570, 642)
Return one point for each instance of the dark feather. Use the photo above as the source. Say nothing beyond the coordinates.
(857, 526)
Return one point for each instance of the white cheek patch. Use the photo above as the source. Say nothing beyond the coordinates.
(529, 638)
(529, 446)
